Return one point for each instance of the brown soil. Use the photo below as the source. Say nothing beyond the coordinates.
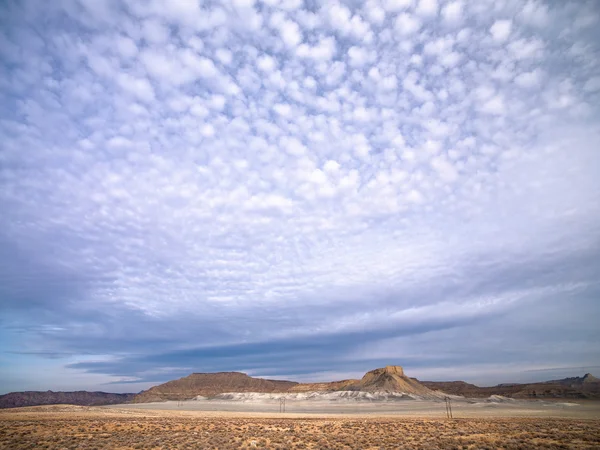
(95, 428)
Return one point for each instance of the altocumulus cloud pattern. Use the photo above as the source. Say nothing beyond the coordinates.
(297, 189)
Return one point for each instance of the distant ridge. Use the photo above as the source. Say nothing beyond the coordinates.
(389, 379)
(82, 398)
(586, 387)
(386, 379)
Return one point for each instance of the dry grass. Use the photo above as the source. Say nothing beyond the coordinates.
(96, 430)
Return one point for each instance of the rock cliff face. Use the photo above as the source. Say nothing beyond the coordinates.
(588, 378)
(83, 398)
(390, 379)
(332, 386)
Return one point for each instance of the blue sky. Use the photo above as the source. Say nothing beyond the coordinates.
(298, 189)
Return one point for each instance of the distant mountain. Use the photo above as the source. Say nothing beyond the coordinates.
(83, 398)
(387, 379)
(586, 387)
(210, 384)
(588, 378)
(390, 379)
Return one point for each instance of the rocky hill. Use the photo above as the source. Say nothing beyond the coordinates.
(588, 378)
(586, 387)
(82, 398)
(387, 379)
(211, 384)
(390, 379)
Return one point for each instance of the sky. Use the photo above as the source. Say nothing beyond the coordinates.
(298, 189)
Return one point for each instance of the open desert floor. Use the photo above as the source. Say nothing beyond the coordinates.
(147, 427)
(463, 408)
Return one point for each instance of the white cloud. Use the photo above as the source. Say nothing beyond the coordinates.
(525, 49)
(529, 79)
(396, 5)
(345, 23)
(427, 8)
(292, 145)
(155, 32)
(186, 159)
(218, 102)
(200, 65)
(323, 51)
(331, 166)
(495, 105)
(362, 114)
(438, 46)
(535, 13)
(451, 59)
(207, 130)
(406, 24)
(500, 30)
(339, 17)
(224, 56)
(414, 196)
(243, 4)
(374, 12)
(291, 34)
(283, 109)
(182, 12)
(195, 43)
(592, 85)
(445, 169)
(119, 142)
(126, 47)
(199, 110)
(266, 63)
(484, 92)
(358, 56)
(289, 30)
(138, 87)
(452, 12)
(162, 66)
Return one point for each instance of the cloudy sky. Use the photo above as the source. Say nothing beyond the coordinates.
(297, 189)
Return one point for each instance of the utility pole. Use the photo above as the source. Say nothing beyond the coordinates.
(282, 404)
(448, 407)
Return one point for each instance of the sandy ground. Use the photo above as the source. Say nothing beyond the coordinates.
(415, 425)
(431, 409)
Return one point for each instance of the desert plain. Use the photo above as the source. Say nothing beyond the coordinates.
(304, 425)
